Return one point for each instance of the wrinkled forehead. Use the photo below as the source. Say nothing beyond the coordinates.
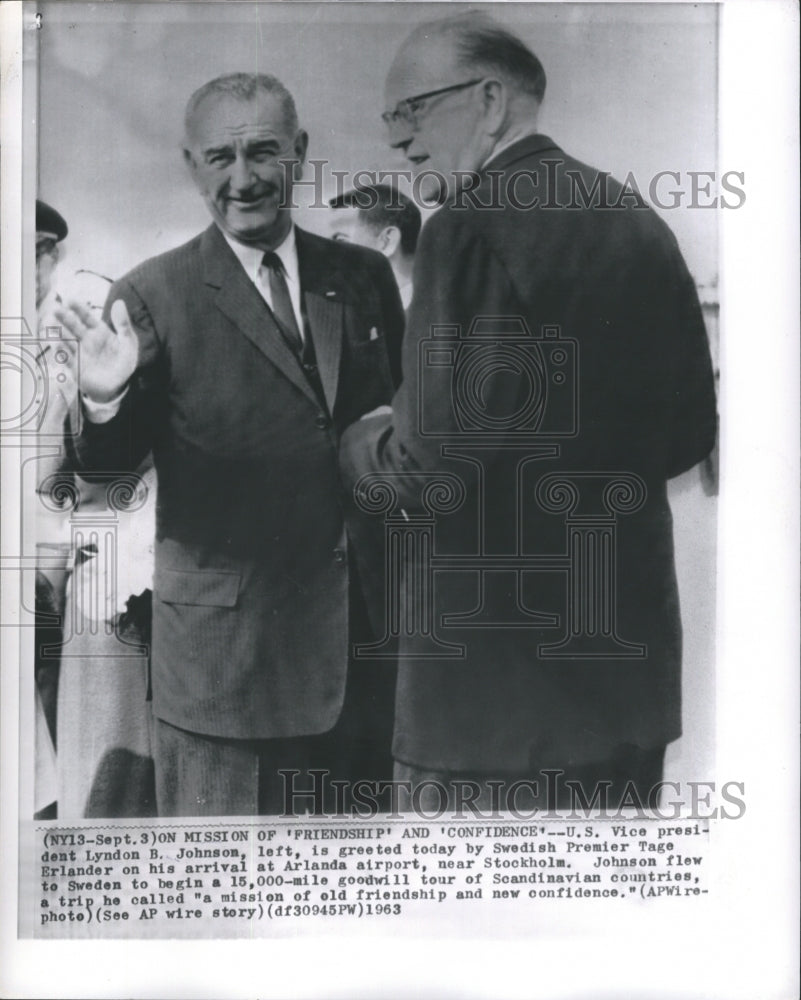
(422, 64)
(222, 117)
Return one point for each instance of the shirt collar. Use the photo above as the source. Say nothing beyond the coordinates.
(505, 144)
(250, 257)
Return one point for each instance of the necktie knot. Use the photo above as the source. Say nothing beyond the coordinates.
(273, 262)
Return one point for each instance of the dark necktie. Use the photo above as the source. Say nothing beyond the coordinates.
(282, 303)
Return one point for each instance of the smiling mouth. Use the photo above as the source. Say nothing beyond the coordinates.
(252, 202)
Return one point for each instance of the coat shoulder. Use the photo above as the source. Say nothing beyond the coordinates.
(347, 256)
(166, 268)
(538, 197)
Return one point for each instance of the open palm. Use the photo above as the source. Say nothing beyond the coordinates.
(106, 357)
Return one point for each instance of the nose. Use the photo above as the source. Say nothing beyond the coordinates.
(408, 142)
(241, 175)
(401, 144)
(399, 134)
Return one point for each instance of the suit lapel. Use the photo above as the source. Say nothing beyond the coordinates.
(238, 299)
(324, 309)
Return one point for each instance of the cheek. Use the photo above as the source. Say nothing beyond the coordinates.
(439, 146)
(271, 174)
(44, 268)
(210, 183)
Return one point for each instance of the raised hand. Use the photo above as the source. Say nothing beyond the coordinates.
(108, 357)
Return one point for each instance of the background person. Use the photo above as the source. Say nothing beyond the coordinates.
(382, 218)
(52, 528)
(105, 758)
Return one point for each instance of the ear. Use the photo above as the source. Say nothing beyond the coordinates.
(389, 241)
(190, 162)
(495, 102)
(301, 145)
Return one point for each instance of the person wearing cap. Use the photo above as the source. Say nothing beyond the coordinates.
(92, 729)
(51, 229)
(52, 528)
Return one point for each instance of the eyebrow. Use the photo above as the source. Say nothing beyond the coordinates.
(214, 150)
(256, 146)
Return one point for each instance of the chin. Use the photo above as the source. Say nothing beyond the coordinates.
(434, 190)
(439, 193)
(252, 229)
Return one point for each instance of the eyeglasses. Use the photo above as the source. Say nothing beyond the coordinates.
(45, 247)
(407, 111)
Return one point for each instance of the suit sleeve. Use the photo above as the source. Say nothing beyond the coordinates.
(693, 410)
(120, 444)
(456, 278)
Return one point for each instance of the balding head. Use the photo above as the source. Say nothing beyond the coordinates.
(470, 44)
(241, 87)
(482, 86)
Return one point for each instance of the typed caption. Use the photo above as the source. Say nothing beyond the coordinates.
(212, 880)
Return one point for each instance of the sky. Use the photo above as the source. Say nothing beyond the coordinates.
(631, 89)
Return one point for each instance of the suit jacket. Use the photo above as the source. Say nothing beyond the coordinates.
(250, 616)
(629, 390)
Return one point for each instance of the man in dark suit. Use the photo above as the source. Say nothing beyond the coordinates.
(556, 375)
(238, 358)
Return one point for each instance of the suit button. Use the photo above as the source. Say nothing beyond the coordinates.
(321, 421)
(339, 555)
(310, 369)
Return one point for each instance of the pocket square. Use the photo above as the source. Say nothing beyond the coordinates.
(373, 333)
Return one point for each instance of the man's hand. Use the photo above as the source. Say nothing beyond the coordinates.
(107, 358)
(379, 411)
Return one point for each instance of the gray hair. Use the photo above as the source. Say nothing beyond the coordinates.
(244, 87)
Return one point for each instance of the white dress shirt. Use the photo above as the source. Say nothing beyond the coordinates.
(406, 294)
(506, 142)
(250, 258)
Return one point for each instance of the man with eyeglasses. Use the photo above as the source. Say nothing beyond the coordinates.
(553, 348)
